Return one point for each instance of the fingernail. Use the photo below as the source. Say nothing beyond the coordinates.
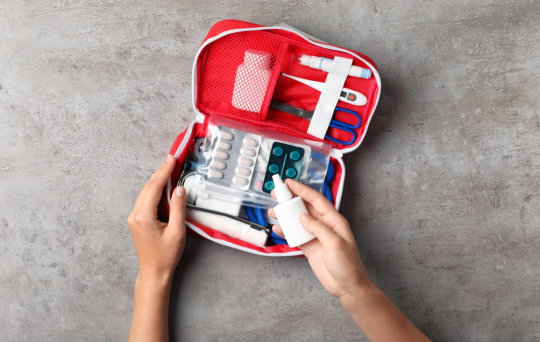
(304, 217)
(180, 191)
(169, 158)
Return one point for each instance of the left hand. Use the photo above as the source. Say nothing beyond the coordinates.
(159, 245)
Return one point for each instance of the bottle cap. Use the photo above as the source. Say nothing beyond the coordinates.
(282, 191)
(257, 59)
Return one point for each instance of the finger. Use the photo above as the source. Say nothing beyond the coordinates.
(138, 202)
(309, 207)
(177, 213)
(321, 231)
(328, 213)
(161, 176)
(154, 187)
(150, 182)
(310, 247)
(277, 229)
(312, 211)
(319, 202)
(272, 213)
(140, 198)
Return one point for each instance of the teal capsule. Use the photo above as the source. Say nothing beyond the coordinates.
(295, 155)
(269, 185)
(277, 151)
(291, 173)
(273, 168)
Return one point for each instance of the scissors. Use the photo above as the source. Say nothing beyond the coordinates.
(334, 123)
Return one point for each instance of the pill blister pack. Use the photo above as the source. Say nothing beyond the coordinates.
(264, 169)
(285, 160)
(230, 159)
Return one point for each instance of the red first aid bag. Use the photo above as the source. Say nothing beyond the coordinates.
(225, 86)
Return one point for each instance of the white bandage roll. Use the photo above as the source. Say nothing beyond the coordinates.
(228, 226)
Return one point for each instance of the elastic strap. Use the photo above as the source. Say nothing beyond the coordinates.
(329, 97)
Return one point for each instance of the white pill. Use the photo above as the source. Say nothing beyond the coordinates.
(227, 136)
(221, 155)
(224, 146)
(250, 142)
(215, 174)
(243, 171)
(247, 152)
(240, 181)
(245, 162)
(216, 164)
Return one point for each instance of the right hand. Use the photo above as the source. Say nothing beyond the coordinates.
(333, 255)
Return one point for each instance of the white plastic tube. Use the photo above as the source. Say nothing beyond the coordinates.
(324, 64)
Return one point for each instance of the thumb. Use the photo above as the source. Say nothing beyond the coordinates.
(321, 231)
(177, 211)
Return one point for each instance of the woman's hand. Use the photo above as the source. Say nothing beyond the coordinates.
(333, 255)
(159, 245)
(334, 258)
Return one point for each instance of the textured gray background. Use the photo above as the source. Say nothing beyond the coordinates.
(443, 196)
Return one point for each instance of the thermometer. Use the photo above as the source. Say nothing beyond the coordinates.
(347, 95)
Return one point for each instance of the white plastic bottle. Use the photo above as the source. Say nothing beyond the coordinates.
(251, 81)
(288, 213)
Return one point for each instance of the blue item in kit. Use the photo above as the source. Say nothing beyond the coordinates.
(276, 239)
(343, 126)
(251, 215)
(334, 123)
(256, 215)
(285, 160)
(330, 174)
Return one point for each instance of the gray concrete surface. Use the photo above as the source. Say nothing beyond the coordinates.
(444, 194)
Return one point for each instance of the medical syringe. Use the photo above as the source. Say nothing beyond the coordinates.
(324, 64)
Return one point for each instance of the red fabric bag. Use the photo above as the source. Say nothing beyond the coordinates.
(213, 79)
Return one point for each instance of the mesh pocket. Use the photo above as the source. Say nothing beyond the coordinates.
(251, 81)
(235, 73)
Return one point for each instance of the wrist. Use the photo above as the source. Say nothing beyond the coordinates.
(153, 280)
(359, 295)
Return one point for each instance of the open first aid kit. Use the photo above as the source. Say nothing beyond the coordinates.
(269, 101)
